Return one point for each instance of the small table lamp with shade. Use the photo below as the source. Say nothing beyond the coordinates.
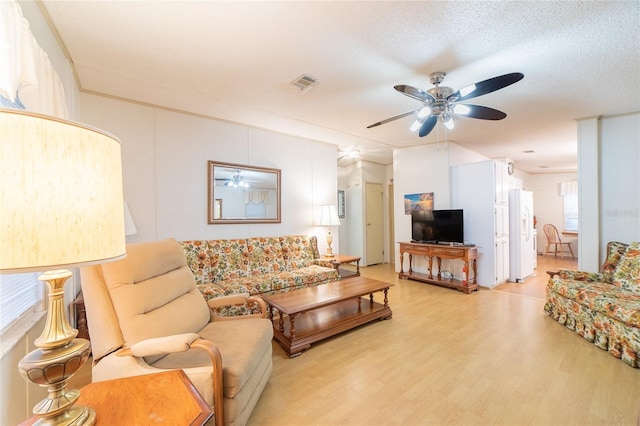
(329, 217)
(62, 205)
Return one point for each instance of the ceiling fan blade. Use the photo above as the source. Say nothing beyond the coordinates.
(414, 92)
(485, 86)
(392, 118)
(428, 125)
(479, 111)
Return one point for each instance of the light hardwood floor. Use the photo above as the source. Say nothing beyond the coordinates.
(445, 358)
(489, 358)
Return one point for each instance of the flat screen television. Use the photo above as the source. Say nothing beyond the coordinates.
(437, 226)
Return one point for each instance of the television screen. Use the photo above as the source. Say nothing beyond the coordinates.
(437, 226)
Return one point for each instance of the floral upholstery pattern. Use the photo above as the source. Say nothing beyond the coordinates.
(228, 259)
(296, 251)
(627, 274)
(197, 253)
(615, 251)
(256, 265)
(602, 312)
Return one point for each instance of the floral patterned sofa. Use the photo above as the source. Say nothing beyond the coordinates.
(604, 307)
(256, 265)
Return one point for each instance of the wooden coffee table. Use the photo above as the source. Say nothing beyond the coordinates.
(319, 312)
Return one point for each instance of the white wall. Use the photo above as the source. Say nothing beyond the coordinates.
(352, 231)
(420, 169)
(620, 178)
(165, 156)
(609, 184)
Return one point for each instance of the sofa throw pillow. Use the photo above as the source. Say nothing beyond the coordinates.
(627, 274)
(615, 251)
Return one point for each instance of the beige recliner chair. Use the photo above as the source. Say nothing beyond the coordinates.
(145, 315)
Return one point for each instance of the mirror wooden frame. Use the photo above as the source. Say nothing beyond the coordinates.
(265, 178)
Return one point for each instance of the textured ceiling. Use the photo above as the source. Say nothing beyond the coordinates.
(235, 61)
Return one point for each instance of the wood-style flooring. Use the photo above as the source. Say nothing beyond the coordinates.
(446, 358)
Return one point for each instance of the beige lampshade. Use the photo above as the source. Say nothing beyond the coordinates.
(329, 215)
(61, 194)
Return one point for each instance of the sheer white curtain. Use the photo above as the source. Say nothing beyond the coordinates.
(568, 188)
(27, 81)
(26, 74)
(256, 197)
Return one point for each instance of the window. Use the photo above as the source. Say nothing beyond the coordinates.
(569, 193)
(18, 293)
(570, 209)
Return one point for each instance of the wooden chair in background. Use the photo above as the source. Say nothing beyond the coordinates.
(553, 239)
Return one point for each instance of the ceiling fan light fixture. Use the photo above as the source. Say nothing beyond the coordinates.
(439, 102)
(237, 181)
(447, 120)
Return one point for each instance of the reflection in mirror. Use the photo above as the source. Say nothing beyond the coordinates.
(249, 194)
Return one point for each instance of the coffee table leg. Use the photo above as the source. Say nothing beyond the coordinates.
(280, 322)
(386, 298)
(371, 299)
(292, 330)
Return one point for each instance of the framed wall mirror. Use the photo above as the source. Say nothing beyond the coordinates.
(242, 194)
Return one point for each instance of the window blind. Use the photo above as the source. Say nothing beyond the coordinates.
(18, 293)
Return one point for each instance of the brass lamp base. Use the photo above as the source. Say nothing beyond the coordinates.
(329, 252)
(59, 357)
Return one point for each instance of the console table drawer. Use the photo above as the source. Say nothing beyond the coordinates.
(416, 249)
(455, 252)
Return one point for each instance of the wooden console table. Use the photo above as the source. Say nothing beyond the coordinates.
(467, 254)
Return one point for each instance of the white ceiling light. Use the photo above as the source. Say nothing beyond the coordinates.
(237, 181)
(447, 120)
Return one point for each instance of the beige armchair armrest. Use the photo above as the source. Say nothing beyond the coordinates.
(164, 345)
(181, 343)
(237, 299)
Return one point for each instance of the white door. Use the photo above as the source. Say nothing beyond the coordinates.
(392, 242)
(374, 222)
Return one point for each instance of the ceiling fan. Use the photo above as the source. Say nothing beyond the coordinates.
(442, 102)
(237, 181)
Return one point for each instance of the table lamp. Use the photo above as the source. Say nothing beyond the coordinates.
(329, 217)
(62, 206)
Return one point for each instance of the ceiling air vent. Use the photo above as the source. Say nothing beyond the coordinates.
(304, 82)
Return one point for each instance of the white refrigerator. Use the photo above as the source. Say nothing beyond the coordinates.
(522, 244)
